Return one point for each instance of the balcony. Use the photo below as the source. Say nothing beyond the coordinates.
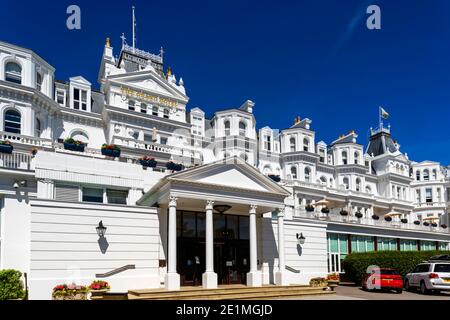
(334, 216)
(16, 161)
(27, 140)
(431, 205)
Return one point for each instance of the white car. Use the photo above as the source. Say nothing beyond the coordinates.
(433, 275)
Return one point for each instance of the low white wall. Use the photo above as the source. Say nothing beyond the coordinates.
(65, 247)
(310, 258)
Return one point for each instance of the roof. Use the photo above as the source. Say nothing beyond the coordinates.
(380, 143)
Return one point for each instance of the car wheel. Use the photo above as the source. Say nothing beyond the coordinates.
(423, 288)
(407, 287)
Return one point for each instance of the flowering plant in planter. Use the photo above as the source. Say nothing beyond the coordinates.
(69, 292)
(358, 215)
(174, 166)
(344, 212)
(275, 177)
(33, 151)
(6, 146)
(309, 208)
(99, 285)
(325, 210)
(318, 282)
(375, 217)
(74, 145)
(388, 219)
(147, 161)
(110, 150)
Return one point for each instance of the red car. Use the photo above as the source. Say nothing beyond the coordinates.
(383, 279)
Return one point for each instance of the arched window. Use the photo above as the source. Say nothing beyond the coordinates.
(346, 183)
(13, 72)
(356, 157)
(426, 175)
(155, 111)
(226, 125)
(344, 157)
(306, 144)
(242, 128)
(37, 128)
(143, 108)
(294, 172)
(292, 144)
(418, 175)
(38, 81)
(131, 105)
(434, 174)
(358, 184)
(307, 174)
(80, 136)
(368, 189)
(331, 182)
(166, 113)
(323, 180)
(12, 121)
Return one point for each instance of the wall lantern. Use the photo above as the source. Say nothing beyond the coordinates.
(301, 239)
(101, 229)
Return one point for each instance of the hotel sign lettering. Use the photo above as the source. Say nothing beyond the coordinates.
(135, 59)
(126, 92)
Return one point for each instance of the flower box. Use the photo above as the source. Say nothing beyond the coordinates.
(6, 147)
(110, 150)
(148, 162)
(275, 177)
(98, 287)
(69, 292)
(74, 146)
(359, 215)
(174, 166)
(375, 217)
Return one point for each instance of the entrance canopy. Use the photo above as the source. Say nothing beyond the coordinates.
(227, 181)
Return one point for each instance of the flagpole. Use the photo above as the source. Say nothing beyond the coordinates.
(134, 31)
(381, 121)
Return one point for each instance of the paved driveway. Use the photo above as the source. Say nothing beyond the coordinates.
(355, 293)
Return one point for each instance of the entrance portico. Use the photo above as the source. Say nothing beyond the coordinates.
(230, 182)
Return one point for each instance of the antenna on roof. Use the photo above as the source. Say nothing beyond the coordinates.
(134, 30)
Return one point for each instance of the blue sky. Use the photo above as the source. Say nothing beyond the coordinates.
(310, 58)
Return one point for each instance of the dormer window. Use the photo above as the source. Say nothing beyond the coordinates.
(267, 143)
(80, 99)
(322, 155)
(426, 175)
(61, 97)
(131, 105)
(13, 72)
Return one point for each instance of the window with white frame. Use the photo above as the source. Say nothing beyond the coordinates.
(306, 144)
(344, 157)
(226, 125)
(292, 144)
(131, 105)
(426, 175)
(13, 121)
(13, 72)
(80, 99)
(267, 145)
(60, 97)
(92, 195)
(242, 128)
(428, 195)
(438, 194)
(322, 155)
(155, 111)
(307, 174)
(143, 108)
(418, 197)
(356, 160)
(38, 81)
(293, 172)
(116, 196)
(197, 125)
(37, 128)
(166, 113)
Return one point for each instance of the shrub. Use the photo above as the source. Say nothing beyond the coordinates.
(11, 285)
(355, 264)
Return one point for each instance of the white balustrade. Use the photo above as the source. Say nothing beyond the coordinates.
(15, 160)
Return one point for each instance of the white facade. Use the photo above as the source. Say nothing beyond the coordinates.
(52, 202)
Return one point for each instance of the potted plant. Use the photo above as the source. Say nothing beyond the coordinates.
(343, 212)
(318, 282)
(388, 219)
(148, 162)
(426, 224)
(417, 222)
(375, 217)
(309, 208)
(69, 292)
(333, 280)
(110, 150)
(443, 226)
(325, 210)
(275, 177)
(6, 147)
(434, 224)
(359, 215)
(74, 145)
(404, 220)
(174, 166)
(98, 287)
(33, 151)
(11, 285)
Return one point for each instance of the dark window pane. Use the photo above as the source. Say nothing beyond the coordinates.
(232, 227)
(201, 225)
(188, 225)
(179, 229)
(117, 196)
(92, 195)
(445, 268)
(243, 228)
(219, 226)
(76, 94)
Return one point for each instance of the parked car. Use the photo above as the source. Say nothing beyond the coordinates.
(383, 279)
(433, 275)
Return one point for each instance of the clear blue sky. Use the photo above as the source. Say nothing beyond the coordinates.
(313, 58)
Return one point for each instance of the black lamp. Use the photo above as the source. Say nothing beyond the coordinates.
(301, 239)
(221, 208)
(101, 229)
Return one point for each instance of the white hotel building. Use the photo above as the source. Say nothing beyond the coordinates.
(220, 220)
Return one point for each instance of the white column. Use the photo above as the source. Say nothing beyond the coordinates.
(280, 275)
(172, 278)
(254, 277)
(209, 278)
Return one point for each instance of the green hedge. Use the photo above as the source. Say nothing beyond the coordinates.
(355, 264)
(11, 285)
